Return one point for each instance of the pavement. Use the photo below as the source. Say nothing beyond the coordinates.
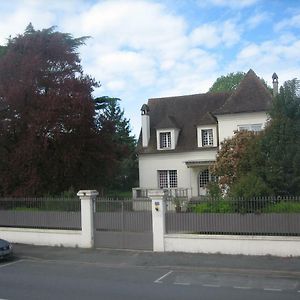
(238, 264)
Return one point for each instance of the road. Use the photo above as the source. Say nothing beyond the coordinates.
(114, 276)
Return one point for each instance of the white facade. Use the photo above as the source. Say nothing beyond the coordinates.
(188, 176)
(150, 164)
(229, 123)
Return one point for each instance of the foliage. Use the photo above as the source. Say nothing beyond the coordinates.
(214, 206)
(49, 141)
(250, 186)
(283, 207)
(280, 144)
(227, 83)
(109, 113)
(228, 161)
(214, 190)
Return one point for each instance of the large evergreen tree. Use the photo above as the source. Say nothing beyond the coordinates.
(111, 114)
(281, 141)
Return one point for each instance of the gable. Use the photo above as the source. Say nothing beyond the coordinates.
(250, 96)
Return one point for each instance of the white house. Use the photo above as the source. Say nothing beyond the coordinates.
(180, 135)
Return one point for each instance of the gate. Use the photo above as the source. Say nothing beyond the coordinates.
(123, 224)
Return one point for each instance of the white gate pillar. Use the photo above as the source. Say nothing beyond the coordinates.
(87, 198)
(158, 219)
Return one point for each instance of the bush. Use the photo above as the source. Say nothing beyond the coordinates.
(219, 206)
(283, 207)
(250, 186)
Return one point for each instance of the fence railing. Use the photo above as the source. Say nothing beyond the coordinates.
(45, 213)
(258, 216)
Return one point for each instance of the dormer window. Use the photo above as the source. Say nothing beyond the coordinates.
(165, 140)
(207, 137)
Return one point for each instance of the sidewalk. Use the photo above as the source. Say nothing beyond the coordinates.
(206, 262)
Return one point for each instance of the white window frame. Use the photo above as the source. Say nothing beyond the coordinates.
(171, 143)
(251, 127)
(165, 140)
(170, 179)
(214, 137)
(207, 137)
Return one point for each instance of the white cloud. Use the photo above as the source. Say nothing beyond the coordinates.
(234, 4)
(294, 21)
(213, 34)
(257, 19)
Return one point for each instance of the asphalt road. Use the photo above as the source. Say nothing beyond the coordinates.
(59, 273)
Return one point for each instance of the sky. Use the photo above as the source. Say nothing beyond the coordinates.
(141, 49)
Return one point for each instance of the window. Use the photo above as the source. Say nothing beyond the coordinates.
(204, 178)
(207, 137)
(250, 127)
(165, 140)
(167, 179)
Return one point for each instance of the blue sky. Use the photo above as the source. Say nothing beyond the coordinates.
(144, 49)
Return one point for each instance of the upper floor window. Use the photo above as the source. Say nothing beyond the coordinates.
(167, 179)
(207, 137)
(250, 127)
(165, 140)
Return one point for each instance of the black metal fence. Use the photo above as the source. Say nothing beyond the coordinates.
(278, 216)
(45, 213)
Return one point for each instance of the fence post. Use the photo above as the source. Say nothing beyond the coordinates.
(87, 198)
(158, 219)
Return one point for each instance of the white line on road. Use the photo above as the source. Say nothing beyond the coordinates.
(182, 283)
(272, 290)
(211, 285)
(9, 264)
(159, 280)
(242, 287)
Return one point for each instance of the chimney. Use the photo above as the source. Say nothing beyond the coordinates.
(275, 84)
(145, 125)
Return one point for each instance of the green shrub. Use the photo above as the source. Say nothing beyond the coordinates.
(283, 207)
(220, 206)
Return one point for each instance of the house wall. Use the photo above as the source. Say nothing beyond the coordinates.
(228, 123)
(149, 164)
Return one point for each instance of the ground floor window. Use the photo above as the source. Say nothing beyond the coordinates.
(204, 178)
(167, 179)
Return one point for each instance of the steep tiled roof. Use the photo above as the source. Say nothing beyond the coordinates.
(184, 113)
(250, 96)
(187, 112)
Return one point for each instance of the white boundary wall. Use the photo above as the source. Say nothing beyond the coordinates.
(233, 244)
(83, 238)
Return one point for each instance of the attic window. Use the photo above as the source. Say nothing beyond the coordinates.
(207, 137)
(165, 140)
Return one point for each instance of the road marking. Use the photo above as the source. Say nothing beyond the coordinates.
(211, 285)
(178, 283)
(272, 290)
(242, 287)
(159, 280)
(9, 264)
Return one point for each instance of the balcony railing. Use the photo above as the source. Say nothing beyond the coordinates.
(170, 192)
